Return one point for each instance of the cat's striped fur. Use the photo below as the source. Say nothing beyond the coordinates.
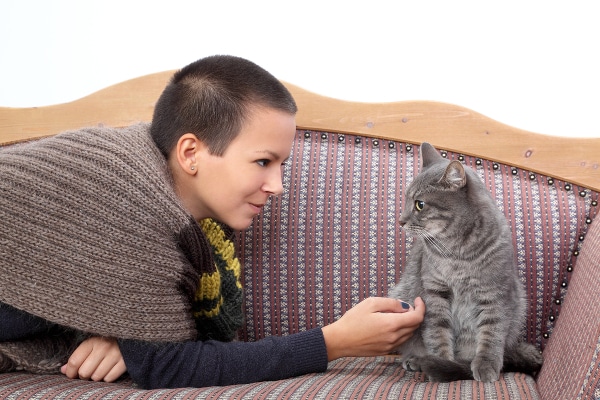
(462, 265)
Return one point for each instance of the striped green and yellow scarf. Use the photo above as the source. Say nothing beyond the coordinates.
(217, 304)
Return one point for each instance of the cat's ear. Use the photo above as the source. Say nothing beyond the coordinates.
(455, 176)
(429, 155)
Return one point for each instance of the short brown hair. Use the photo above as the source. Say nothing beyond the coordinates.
(211, 98)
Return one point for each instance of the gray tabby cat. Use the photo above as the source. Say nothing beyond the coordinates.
(462, 266)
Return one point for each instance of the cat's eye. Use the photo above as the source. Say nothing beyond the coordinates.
(419, 205)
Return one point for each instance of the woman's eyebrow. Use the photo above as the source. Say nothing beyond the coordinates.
(273, 154)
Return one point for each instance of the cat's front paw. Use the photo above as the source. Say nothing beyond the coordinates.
(411, 364)
(486, 369)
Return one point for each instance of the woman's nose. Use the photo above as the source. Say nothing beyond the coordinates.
(274, 183)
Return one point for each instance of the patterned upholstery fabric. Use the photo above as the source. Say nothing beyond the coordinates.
(572, 370)
(347, 378)
(332, 240)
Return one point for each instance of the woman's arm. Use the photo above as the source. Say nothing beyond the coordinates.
(213, 363)
(375, 326)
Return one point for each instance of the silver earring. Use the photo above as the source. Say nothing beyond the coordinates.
(192, 168)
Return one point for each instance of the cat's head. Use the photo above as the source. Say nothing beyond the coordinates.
(436, 196)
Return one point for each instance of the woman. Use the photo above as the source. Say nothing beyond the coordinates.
(121, 243)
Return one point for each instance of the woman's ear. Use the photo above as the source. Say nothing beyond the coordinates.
(185, 152)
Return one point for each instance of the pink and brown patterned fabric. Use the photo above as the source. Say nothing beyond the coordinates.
(332, 240)
(572, 367)
(347, 378)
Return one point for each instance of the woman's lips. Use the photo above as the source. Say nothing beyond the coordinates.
(257, 207)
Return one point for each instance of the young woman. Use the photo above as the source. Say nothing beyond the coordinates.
(118, 245)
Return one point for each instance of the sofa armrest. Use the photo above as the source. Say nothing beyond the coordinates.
(571, 367)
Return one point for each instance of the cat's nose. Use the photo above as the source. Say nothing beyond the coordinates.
(401, 222)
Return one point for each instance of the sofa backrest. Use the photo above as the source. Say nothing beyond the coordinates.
(332, 238)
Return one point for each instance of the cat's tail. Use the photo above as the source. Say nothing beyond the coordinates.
(524, 357)
(440, 369)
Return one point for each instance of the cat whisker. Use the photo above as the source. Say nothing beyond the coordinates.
(429, 238)
(445, 251)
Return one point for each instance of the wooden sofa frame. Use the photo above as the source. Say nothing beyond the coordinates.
(444, 125)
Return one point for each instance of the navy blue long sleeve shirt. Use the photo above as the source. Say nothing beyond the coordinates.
(197, 364)
(213, 363)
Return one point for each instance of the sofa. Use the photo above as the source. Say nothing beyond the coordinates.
(332, 239)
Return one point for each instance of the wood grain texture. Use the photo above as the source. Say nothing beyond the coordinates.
(446, 126)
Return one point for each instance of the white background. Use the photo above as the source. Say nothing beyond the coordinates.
(530, 64)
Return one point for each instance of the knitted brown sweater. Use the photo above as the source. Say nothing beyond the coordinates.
(94, 238)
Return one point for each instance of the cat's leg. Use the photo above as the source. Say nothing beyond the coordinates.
(413, 349)
(437, 328)
(485, 367)
(491, 337)
(408, 289)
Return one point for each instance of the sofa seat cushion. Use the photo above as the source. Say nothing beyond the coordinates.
(346, 378)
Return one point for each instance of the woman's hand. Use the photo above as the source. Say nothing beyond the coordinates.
(98, 359)
(375, 326)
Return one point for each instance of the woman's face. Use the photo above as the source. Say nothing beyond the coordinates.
(234, 187)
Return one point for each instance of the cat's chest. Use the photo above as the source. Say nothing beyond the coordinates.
(447, 272)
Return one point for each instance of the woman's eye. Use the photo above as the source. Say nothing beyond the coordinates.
(419, 205)
(263, 163)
